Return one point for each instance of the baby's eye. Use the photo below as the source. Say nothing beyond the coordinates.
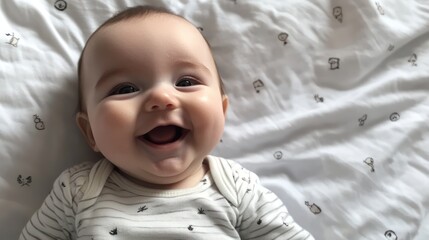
(186, 82)
(124, 89)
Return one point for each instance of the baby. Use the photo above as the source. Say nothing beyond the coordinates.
(153, 104)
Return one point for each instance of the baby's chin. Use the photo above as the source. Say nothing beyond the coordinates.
(171, 175)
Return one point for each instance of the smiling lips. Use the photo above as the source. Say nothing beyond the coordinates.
(163, 135)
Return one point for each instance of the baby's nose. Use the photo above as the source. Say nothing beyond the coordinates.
(161, 99)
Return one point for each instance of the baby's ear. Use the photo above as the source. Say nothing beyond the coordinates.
(85, 127)
(225, 103)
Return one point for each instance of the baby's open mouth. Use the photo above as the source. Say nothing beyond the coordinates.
(164, 134)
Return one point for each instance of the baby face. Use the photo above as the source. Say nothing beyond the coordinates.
(152, 98)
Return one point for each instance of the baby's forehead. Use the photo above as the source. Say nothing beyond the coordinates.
(138, 23)
(155, 33)
(142, 27)
(149, 33)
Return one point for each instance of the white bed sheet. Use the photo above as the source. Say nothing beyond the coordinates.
(329, 105)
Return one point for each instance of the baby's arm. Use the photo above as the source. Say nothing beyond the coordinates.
(55, 218)
(262, 215)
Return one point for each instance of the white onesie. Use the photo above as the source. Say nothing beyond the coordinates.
(94, 201)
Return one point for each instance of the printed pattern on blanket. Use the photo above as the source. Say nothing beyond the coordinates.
(329, 105)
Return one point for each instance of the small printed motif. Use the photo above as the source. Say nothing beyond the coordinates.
(63, 185)
(24, 181)
(142, 209)
(259, 222)
(283, 37)
(190, 228)
(318, 99)
(334, 62)
(313, 208)
(284, 217)
(258, 85)
(413, 60)
(362, 120)
(338, 13)
(245, 179)
(391, 47)
(201, 211)
(394, 117)
(60, 5)
(370, 162)
(114, 231)
(390, 235)
(278, 155)
(39, 124)
(13, 40)
(379, 8)
(236, 178)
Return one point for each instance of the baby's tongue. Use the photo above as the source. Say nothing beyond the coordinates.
(162, 134)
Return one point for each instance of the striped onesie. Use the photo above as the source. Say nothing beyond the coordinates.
(94, 201)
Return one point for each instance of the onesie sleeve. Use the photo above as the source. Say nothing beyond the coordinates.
(55, 218)
(262, 215)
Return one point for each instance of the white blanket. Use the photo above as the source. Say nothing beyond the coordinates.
(329, 104)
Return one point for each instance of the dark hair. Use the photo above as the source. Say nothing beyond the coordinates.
(127, 14)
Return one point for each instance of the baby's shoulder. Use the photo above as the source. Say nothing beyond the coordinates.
(78, 171)
(232, 179)
(81, 167)
(234, 170)
(75, 177)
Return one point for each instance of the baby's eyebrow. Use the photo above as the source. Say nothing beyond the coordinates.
(183, 63)
(108, 74)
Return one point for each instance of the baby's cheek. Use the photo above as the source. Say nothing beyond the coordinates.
(113, 123)
(210, 118)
